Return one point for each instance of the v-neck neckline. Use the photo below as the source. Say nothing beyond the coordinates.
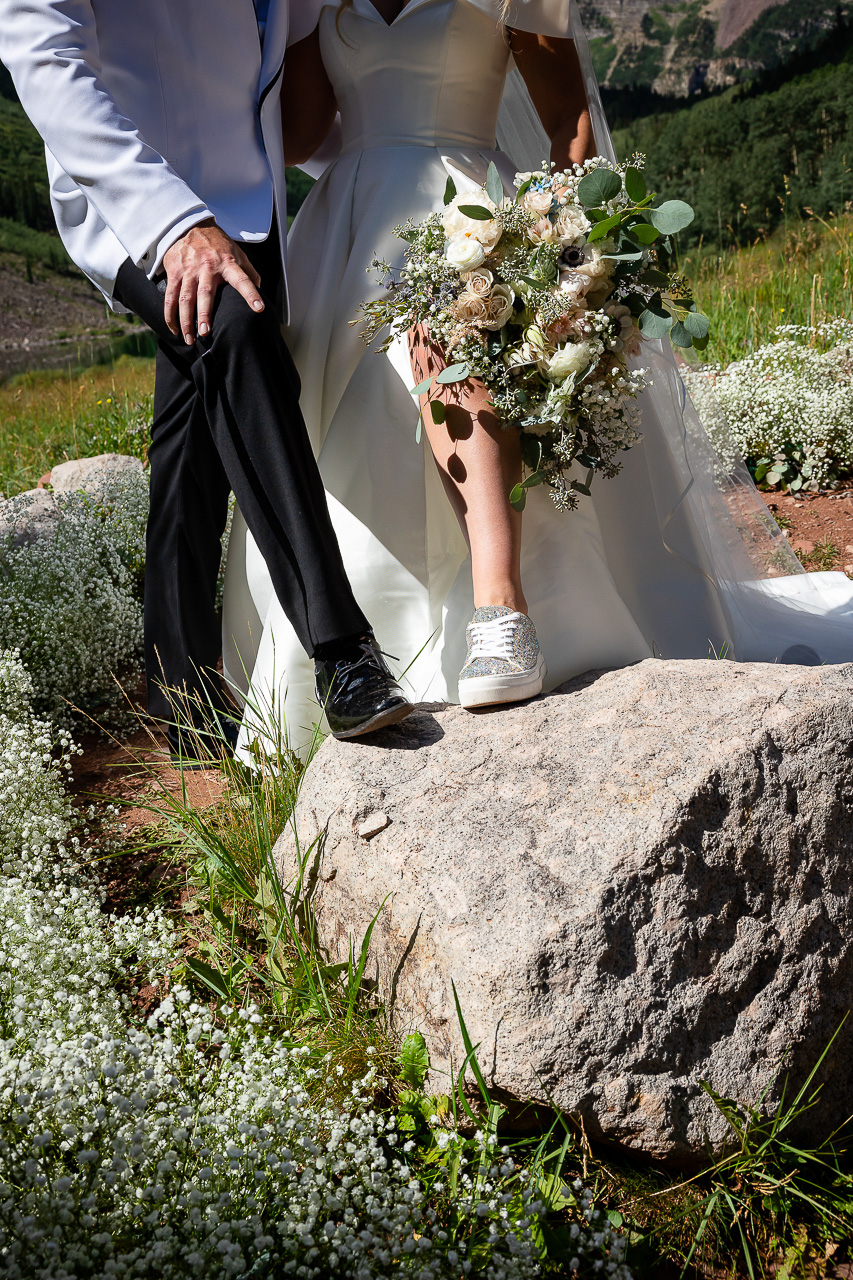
(393, 21)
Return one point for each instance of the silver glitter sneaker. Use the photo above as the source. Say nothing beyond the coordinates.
(504, 662)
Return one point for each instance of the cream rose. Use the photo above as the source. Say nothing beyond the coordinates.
(479, 282)
(538, 202)
(498, 307)
(574, 357)
(464, 252)
(470, 309)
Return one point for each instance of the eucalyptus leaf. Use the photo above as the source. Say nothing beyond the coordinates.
(678, 335)
(454, 373)
(533, 282)
(654, 277)
(697, 324)
(530, 482)
(437, 410)
(518, 498)
(601, 229)
(635, 184)
(580, 487)
(655, 322)
(419, 428)
(624, 257)
(494, 186)
(450, 191)
(599, 186)
(422, 388)
(476, 211)
(643, 232)
(671, 217)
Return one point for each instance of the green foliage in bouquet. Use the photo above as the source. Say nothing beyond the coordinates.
(545, 296)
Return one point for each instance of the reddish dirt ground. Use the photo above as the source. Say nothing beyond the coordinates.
(132, 772)
(813, 520)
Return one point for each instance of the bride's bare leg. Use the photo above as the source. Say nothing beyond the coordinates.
(479, 462)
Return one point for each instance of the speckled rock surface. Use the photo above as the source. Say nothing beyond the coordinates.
(90, 473)
(637, 883)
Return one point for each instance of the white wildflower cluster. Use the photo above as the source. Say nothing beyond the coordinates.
(186, 1148)
(70, 600)
(191, 1145)
(792, 398)
(594, 1235)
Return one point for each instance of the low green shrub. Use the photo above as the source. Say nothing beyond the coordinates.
(70, 600)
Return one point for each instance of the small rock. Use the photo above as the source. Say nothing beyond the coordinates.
(89, 474)
(373, 824)
(28, 516)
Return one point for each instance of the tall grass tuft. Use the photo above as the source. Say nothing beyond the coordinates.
(801, 275)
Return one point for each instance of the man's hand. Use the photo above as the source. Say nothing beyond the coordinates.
(196, 265)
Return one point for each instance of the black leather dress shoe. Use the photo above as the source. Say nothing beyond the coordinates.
(358, 692)
(202, 746)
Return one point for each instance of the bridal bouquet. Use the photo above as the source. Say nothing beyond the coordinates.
(544, 297)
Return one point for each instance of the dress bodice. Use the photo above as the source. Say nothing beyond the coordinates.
(433, 77)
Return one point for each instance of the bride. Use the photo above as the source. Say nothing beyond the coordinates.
(677, 557)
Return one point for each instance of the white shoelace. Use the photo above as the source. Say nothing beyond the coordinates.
(494, 639)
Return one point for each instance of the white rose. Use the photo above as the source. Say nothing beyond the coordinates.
(573, 358)
(488, 232)
(498, 307)
(479, 282)
(464, 252)
(572, 224)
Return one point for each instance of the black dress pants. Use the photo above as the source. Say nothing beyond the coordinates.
(227, 416)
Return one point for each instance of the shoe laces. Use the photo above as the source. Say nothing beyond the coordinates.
(495, 638)
(371, 656)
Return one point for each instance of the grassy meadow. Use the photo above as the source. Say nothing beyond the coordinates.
(802, 275)
(49, 416)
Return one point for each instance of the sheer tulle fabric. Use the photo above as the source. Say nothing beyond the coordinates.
(677, 556)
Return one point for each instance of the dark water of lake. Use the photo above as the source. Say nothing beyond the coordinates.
(77, 353)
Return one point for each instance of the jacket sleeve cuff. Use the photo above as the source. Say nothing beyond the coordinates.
(151, 261)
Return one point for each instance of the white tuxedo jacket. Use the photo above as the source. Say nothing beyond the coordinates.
(155, 114)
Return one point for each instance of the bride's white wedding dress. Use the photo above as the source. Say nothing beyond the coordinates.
(676, 557)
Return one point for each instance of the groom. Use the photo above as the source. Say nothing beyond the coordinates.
(162, 127)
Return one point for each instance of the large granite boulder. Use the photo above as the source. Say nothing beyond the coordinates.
(638, 883)
(90, 474)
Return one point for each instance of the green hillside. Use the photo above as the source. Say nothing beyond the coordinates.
(23, 179)
(751, 157)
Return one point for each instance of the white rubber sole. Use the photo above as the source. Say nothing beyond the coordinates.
(490, 691)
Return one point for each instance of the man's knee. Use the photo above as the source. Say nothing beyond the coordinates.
(238, 326)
